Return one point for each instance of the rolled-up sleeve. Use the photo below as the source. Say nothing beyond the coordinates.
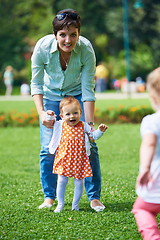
(37, 80)
(88, 73)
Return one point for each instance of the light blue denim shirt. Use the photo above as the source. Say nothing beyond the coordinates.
(52, 82)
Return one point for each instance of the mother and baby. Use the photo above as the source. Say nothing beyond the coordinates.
(62, 86)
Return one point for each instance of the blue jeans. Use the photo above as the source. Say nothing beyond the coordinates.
(48, 179)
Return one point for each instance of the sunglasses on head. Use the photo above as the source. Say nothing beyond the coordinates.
(62, 16)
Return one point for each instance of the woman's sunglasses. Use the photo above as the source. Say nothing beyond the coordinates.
(62, 16)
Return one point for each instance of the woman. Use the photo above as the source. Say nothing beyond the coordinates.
(63, 64)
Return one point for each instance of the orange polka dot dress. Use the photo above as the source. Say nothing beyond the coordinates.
(71, 159)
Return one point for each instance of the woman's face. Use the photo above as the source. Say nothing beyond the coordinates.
(67, 38)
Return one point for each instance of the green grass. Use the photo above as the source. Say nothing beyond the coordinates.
(21, 190)
(19, 106)
(103, 104)
(26, 106)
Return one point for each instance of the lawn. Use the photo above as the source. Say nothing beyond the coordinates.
(103, 104)
(26, 106)
(21, 190)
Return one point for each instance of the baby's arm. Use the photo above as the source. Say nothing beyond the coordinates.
(147, 150)
(96, 134)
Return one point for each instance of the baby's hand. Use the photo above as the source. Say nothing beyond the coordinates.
(48, 119)
(102, 127)
(144, 178)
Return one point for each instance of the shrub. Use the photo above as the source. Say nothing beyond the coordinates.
(120, 114)
(16, 119)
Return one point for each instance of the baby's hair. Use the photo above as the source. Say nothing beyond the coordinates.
(69, 100)
(153, 80)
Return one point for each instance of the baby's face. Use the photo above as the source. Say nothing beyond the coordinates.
(71, 113)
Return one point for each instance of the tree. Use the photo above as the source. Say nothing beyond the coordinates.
(11, 36)
(24, 22)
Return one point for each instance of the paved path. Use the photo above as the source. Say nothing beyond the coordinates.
(16, 98)
(120, 95)
(98, 96)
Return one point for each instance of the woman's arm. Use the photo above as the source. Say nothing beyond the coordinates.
(38, 100)
(89, 111)
(147, 151)
(88, 70)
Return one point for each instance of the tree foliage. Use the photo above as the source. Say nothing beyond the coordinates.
(24, 22)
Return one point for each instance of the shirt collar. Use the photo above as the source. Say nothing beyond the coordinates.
(76, 47)
(54, 46)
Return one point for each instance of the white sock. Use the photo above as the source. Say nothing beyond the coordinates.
(61, 189)
(78, 191)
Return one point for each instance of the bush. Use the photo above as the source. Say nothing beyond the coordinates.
(16, 119)
(120, 114)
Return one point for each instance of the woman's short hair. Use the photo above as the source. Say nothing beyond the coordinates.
(66, 18)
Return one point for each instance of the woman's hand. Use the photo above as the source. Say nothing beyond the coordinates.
(89, 136)
(48, 118)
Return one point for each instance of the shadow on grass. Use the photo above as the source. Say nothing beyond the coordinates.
(110, 207)
(119, 207)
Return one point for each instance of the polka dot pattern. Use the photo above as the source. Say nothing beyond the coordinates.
(71, 159)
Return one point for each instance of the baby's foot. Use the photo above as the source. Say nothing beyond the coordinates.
(75, 207)
(59, 208)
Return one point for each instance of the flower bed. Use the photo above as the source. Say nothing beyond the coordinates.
(15, 119)
(110, 115)
(122, 114)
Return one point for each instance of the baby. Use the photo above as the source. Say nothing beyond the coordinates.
(71, 144)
